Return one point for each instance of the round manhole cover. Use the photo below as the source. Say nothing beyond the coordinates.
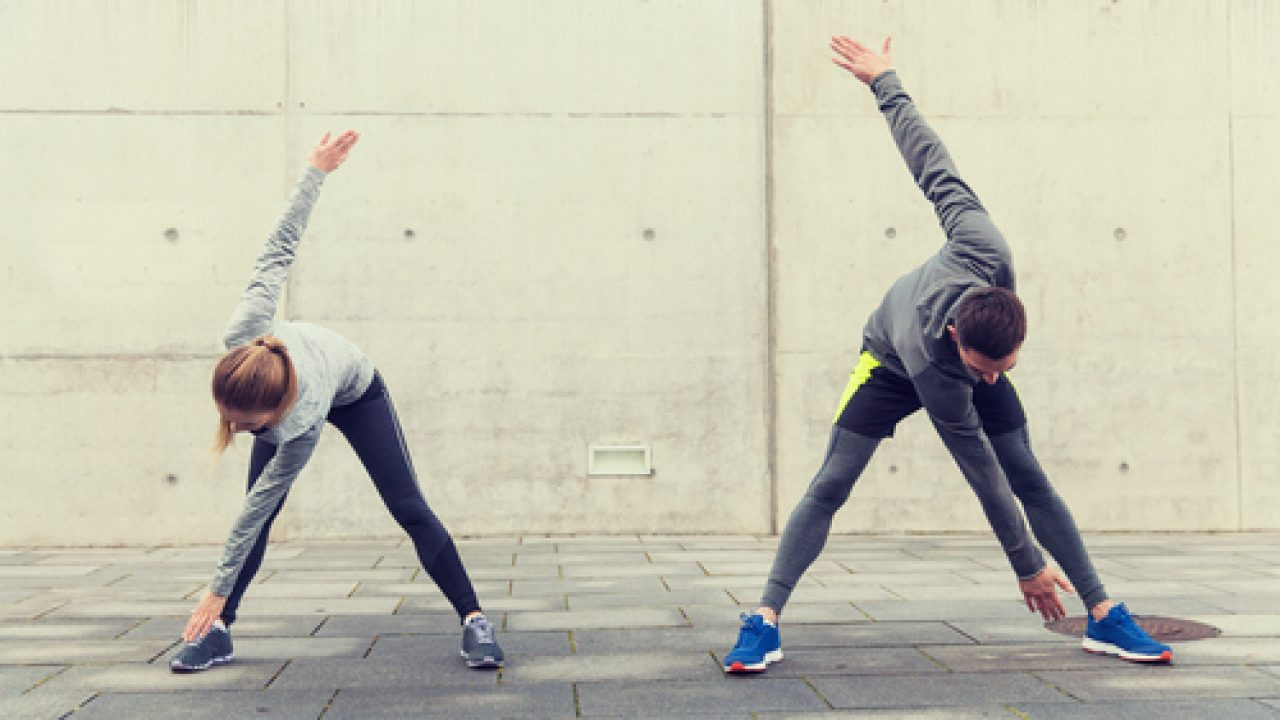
(1164, 629)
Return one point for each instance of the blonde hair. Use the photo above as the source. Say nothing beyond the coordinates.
(254, 378)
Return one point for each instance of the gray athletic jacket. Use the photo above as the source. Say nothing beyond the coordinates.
(908, 332)
(331, 372)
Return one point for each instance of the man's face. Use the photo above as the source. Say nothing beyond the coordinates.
(986, 369)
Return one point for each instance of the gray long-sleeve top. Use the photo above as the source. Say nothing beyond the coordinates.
(331, 371)
(908, 332)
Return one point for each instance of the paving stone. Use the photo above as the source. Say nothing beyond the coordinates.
(208, 705)
(640, 665)
(426, 589)
(44, 704)
(64, 629)
(527, 588)
(45, 571)
(1242, 625)
(492, 605)
(16, 679)
(625, 557)
(1239, 604)
(594, 619)
(1008, 631)
(1191, 710)
(934, 713)
(638, 569)
(444, 623)
(271, 648)
(869, 634)
(281, 589)
(1065, 655)
(659, 599)
(692, 640)
(517, 573)
(422, 648)
(965, 689)
(439, 669)
(799, 613)
(889, 610)
(535, 702)
(1164, 683)
(906, 578)
(50, 652)
(862, 661)
(387, 575)
(243, 674)
(1228, 651)
(629, 699)
(170, 628)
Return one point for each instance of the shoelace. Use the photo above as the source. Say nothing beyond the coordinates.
(484, 630)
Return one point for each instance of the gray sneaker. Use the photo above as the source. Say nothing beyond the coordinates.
(480, 644)
(212, 649)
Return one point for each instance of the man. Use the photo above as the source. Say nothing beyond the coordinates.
(943, 338)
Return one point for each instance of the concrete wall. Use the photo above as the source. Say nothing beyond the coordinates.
(649, 221)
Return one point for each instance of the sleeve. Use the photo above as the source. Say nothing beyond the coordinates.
(972, 238)
(261, 502)
(257, 308)
(950, 407)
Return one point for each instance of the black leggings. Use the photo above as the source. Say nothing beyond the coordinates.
(373, 430)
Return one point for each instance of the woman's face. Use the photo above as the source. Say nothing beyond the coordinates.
(244, 422)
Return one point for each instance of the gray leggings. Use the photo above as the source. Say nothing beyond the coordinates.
(847, 455)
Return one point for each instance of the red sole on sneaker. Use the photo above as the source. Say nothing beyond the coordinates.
(740, 669)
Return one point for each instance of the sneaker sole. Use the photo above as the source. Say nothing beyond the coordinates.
(182, 669)
(741, 668)
(486, 662)
(1098, 647)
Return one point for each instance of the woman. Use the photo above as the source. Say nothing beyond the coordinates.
(282, 381)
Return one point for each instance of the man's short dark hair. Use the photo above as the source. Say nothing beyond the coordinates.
(991, 321)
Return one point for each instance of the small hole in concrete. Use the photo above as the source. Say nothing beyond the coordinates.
(171, 479)
(649, 234)
(1124, 466)
(891, 233)
(893, 468)
(171, 235)
(409, 234)
(1120, 234)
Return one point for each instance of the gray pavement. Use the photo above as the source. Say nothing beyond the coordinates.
(634, 627)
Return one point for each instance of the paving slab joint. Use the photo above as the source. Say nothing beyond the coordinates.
(1055, 687)
(42, 681)
(131, 628)
(577, 701)
(329, 704)
(277, 673)
(823, 698)
(168, 648)
(316, 629)
(1017, 713)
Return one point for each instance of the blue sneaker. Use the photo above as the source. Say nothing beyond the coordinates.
(1118, 634)
(758, 645)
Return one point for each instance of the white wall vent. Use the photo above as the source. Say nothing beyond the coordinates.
(619, 460)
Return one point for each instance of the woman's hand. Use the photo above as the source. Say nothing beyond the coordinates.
(207, 610)
(330, 154)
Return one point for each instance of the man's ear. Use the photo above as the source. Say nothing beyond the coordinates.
(952, 329)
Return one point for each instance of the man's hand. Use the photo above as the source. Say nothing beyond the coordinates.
(329, 154)
(1041, 593)
(207, 610)
(857, 59)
